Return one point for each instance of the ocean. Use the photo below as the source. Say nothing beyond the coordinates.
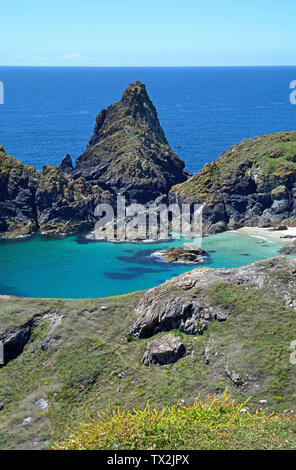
(51, 111)
(48, 112)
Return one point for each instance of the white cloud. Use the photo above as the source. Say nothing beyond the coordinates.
(73, 55)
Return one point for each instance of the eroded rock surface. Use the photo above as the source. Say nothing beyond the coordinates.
(165, 350)
(253, 183)
(129, 153)
(186, 254)
(289, 249)
(184, 302)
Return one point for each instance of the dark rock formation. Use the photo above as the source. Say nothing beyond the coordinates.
(14, 340)
(18, 184)
(65, 205)
(129, 153)
(66, 165)
(289, 249)
(165, 350)
(253, 183)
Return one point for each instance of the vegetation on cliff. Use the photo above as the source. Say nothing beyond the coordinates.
(77, 356)
(214, 423)
(253, 183)
(129, 152)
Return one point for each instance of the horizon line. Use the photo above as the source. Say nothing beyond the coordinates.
(149, 66)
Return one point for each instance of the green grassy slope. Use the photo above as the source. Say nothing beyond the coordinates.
(80, 373)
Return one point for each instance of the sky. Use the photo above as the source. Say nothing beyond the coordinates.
(147, 32)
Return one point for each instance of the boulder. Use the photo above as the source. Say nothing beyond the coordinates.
(165, 350)
(289, 249)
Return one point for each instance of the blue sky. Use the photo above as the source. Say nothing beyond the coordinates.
(148, 32)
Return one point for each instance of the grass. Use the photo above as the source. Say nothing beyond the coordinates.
(270, 160)
(80, 375)
(215, 423)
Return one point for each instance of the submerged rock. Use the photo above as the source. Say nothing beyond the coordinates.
(165, 350)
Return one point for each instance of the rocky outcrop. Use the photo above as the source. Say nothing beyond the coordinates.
(165, 350)
(64, 205)
(66, 165)
(289, 249)
(183, 302)
(18, 185)
(84, 351)
(129, 153)
(187, 254)
(253, 183)
(15, 339)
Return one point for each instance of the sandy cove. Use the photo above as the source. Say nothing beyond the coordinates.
(277, 236)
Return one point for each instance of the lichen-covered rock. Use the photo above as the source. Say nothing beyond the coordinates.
(129, 153)
(64, 205)
(184, 302)
(18, 184)
(186, 254)
(253, 183)
(165, 350)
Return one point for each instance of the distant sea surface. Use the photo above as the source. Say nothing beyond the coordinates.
(51, 111)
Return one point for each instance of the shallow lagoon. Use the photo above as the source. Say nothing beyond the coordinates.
(74, 268)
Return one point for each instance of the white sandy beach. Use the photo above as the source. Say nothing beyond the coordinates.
(277, 236)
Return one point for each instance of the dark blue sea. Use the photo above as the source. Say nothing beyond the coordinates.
(51, 111)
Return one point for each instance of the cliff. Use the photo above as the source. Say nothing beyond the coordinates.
(48, 201)
(253, 183)
(18, 185)
(127, 154)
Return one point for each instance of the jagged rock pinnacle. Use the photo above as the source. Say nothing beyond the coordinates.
(66, 165)
(128, 152)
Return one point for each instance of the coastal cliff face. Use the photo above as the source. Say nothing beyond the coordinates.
(64, 205)
(18, 185)
(48, 201)
(200, 332)
(129, 153)
(253, 183)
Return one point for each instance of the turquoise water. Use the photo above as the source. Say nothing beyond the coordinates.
(73, 268)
